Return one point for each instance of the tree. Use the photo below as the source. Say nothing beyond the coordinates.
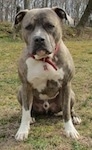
(26, 4)
(1, 10)
(8, 8)
(86, 15)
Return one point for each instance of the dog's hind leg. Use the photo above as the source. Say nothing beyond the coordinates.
(75, 118)
(19, 95)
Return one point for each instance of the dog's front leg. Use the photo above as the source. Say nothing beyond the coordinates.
(69, 127)
(27, 100)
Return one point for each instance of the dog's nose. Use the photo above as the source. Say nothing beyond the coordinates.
(38, 39)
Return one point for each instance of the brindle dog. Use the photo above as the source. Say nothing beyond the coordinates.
(45, 69)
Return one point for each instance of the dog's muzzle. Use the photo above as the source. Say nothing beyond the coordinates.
(46, 58)
(40, 48)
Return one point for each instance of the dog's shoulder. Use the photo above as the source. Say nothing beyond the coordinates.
(22, 67)
(65, 61)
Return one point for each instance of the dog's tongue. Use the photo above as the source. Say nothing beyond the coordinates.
(41, 53)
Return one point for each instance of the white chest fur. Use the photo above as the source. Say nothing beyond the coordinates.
(37, 76)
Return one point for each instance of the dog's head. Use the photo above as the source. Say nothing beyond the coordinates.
(41, 29)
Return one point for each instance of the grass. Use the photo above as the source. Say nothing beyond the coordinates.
(47, 133)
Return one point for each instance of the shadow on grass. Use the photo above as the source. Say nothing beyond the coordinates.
(9, 125)
(46, 133)
(41, 132)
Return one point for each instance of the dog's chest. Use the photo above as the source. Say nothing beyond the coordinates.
(41, 78)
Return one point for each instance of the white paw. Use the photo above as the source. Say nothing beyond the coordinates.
(32, 120)
(20, 136)
(76, 120)
(70, 130)
(58, 114)
(22, 133)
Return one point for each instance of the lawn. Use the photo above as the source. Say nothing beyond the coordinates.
(47, 133)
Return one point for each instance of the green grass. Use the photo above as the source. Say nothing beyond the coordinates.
(47, 133)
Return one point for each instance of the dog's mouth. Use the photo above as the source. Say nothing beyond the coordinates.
(41, 53)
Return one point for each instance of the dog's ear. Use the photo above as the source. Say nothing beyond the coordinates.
(19, 17)
(63, 15)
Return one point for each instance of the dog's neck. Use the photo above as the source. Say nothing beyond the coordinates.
(47, 59)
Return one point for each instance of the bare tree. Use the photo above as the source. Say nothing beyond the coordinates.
(6, 8)
(86, 15)
(74, 8)
(26, 4)
(1, 9)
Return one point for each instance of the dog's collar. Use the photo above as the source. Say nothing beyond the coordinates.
(47, 59)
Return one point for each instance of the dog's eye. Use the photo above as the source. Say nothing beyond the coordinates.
(29, 27)
(49, 26)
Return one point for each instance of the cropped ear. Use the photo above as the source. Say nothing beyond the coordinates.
(19, 17)
(63, 15)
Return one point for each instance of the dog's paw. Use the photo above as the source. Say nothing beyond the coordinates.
(20, 136)
(76, 120)
(22, 133)
(32, 120)
(58, 114)
(70, 130)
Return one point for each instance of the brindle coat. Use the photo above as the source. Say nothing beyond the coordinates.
(49, 22)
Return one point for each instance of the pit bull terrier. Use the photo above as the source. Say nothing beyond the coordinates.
(45, 69)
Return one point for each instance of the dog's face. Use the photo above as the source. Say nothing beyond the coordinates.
(41, 29)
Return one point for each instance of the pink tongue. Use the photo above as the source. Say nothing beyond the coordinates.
(41, 53)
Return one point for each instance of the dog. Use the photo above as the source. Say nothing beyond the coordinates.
(45, 69)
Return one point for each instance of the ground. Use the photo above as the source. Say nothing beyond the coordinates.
(47, 133)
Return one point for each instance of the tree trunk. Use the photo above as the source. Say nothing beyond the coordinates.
(26, 4)
(6, 13)
(1, 11)
(86, 14)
